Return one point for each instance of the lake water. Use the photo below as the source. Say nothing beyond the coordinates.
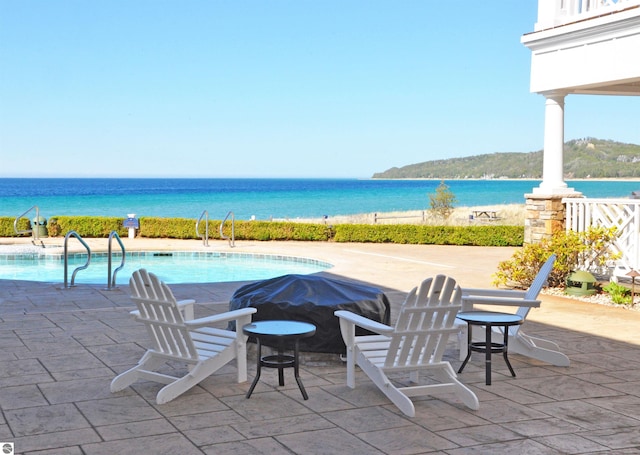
(262, 198)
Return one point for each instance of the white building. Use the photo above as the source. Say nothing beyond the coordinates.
(579, 47)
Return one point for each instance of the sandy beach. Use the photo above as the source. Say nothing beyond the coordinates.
(509, 214)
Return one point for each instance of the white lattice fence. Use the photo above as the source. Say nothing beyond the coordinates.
(624, 214)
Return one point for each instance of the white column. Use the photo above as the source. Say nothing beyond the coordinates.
(553, 163)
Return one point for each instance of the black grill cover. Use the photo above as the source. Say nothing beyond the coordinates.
(311, 298)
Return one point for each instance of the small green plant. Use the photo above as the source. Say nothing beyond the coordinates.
(574, 250)
(619, 294)
(442, 202)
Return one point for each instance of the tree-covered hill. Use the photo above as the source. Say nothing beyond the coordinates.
(583, 158)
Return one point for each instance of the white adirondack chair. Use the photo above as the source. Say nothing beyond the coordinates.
(416, 344)
(203, 348)
(519, 342)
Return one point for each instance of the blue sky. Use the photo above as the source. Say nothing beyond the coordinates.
(272, 88)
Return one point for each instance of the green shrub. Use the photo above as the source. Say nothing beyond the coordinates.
(430, 235)
(86, 226)
(619, 294)
(173, 228)
(183, 228)
(6, 226)
(442, 202)
(272, 230)
(53, 227)
(180, 228)
(574, 251)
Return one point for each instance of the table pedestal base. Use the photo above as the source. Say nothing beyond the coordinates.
(279, 333)
(279, 361)
(488, 320)
(488, 348)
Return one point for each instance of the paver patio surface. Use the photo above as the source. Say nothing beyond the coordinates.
(62, 347)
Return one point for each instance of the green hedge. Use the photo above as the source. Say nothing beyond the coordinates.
(6, 226)
(58, 226)
(173, 228)
(183, 228)
(180, 228)
(85, 226)
(431, 235)
(278, 230)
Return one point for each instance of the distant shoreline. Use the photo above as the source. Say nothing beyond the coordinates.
(599, 179)
(436, 179)
(512, 214)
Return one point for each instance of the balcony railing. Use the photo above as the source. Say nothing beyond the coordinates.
(561, 12)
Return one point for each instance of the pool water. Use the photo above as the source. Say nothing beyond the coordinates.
(171, 267)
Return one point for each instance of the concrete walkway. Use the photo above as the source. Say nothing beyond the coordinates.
(61, 348)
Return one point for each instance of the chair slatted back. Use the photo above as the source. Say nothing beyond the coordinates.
(160, 313)
(425, 322)
(534, 290)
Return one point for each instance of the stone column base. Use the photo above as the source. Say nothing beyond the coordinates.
(544, 215)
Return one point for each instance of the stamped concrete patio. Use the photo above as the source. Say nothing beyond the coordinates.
(62, 347)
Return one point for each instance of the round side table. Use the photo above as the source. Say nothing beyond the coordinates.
(279, 333)
(488, 319)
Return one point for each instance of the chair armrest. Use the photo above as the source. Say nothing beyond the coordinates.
(470, 300)
(503, 293)
(222, 302)
(186, 307)
(363, 322)
(224, 317)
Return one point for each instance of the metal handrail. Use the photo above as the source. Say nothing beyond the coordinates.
(205, 237)
(27, 231)
(232, 239)
(111, 280)
(66, 258)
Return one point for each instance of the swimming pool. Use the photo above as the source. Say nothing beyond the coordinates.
(171, 266)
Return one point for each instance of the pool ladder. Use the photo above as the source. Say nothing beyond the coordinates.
(205, 237)
(66, 258)
(34, 232)
(111, 278)
(232, 239)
